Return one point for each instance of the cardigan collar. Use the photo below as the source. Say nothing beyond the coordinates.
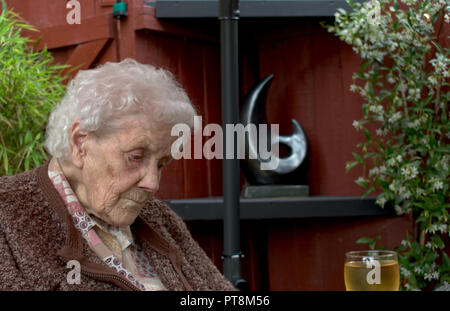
(73, 247)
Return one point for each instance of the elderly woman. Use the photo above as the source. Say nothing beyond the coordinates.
(93, 202)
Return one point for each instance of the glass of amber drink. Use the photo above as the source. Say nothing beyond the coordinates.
(373, 270)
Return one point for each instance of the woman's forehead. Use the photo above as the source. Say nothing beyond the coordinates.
(141, 123)
(155, 140)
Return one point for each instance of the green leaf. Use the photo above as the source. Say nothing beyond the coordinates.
(369, 241)
(445, 262)
(365, 194)
(362, 184)
(438, 241)
(438, 47)
(367, 134)
(350, 165)
(357, 157)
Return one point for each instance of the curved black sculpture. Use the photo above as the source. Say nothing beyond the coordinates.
(291, 169)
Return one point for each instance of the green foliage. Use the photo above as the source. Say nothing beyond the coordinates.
(404, 81)
(30, 87)
(372, 243)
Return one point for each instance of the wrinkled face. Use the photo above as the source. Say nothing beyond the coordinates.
(121, 170)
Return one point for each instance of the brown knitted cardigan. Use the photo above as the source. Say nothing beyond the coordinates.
(38, 238)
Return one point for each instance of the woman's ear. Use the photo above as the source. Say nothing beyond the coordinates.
(77, 144)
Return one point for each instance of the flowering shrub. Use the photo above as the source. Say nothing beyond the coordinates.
(403, 80)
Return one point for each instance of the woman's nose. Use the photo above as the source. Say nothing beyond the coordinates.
(150, 182)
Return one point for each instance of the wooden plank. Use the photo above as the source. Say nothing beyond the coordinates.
(190, 76)
(351, 108)
(125, 32)
(330, 116)
(212, 108)
(91, 29)
(85, 54)
(48, 13)
(107, 3)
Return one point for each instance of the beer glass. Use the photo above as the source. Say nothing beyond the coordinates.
(374, 270)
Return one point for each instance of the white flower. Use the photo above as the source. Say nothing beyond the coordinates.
(418, 270)
(414, 172)
(402, 87)
(414, 125)
(405, 272)
(381, 132)
(440, 64)
(407, 195)
(395, 117)
(381, 201)
(420, 192)
(409, 2)
(399, 158)
(427, 276)
(391, 162)
(438, 185)
(392, 188)
(409, 171)
(405, 172)
(353, 87)
(378, 109)
(374, 171)
(360, 179)
(442, 228)
(433, 228)
(435, 275)
(405, 243)
(357, 125)
(432, 80)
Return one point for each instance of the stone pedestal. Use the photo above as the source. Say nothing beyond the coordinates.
(274, 191)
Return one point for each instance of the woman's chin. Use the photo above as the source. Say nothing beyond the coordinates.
(123, 220)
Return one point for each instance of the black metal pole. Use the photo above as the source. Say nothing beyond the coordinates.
(229, 16)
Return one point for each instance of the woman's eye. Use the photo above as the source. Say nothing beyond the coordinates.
(135, 157)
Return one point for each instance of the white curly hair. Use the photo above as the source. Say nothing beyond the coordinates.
(111, 91)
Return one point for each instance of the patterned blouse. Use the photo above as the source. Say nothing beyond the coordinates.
(102, 238)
